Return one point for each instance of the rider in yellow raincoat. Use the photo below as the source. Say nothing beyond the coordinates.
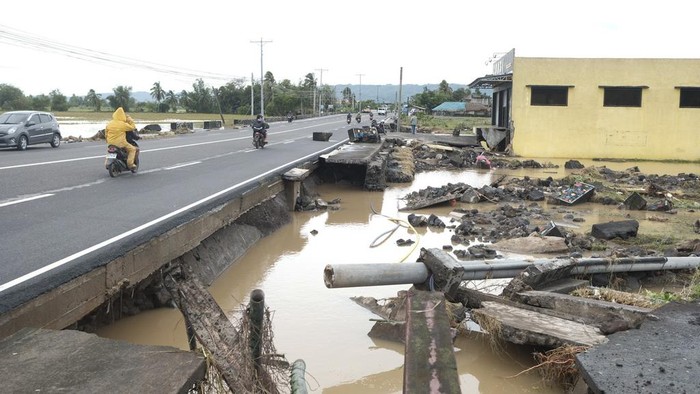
(115, 132)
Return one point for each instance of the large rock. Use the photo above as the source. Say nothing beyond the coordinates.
(623, 229)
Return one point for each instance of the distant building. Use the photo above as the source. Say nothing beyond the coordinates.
(459, 108)
(598, 108)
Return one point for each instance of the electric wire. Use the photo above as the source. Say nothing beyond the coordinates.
(22, 39)
(387, 234)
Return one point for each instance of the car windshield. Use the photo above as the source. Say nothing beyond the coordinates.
(12, 118)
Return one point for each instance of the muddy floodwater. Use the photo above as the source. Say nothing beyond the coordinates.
(328, 330)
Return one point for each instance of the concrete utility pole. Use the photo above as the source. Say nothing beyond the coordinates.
(360, 101)
(262, 77)
(399, 108)
(320, 92)
(252, 100)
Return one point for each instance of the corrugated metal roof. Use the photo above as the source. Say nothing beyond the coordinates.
(451, 106)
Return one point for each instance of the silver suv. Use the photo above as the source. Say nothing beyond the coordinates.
(23, 128)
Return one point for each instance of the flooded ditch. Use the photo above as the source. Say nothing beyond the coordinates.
(328, 330)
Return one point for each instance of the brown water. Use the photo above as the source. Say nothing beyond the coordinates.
(324, 327)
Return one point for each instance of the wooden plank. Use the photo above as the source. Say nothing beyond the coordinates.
(526, 327)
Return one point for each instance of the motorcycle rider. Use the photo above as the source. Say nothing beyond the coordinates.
(260, 125)
(349, 117)
(358, 117)
(115, 134)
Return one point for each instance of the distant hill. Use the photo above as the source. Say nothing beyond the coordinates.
(378, 93)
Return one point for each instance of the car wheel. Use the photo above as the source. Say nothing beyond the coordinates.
(22, 142)
(55, 141)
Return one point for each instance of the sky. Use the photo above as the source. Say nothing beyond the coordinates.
(74, 46)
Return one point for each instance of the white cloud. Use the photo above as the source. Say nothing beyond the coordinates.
(434, 41)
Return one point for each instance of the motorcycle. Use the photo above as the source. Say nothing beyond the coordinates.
(289, 118)
(358, 118)
(259, 138)
(349, 119)
(115, 161)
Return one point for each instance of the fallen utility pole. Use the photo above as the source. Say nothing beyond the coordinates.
(381, 274)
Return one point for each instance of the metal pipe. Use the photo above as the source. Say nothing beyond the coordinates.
(297, 377)
(359, 275)
(256, 313)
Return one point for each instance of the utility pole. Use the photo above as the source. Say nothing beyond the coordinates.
(360, 102)
(399, 110)
(320, 92)
(262, 77)
(252, 100)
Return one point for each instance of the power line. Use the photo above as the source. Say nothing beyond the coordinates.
(26, 40)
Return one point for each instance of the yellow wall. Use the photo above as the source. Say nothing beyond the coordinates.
(658, 130)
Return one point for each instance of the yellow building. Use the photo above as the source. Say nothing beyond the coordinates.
(600, 108)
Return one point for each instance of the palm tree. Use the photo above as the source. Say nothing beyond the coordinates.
(157, 93)
(171, 100)
(94, 100)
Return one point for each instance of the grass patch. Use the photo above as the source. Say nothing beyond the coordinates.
(146, 117)
(447, 124)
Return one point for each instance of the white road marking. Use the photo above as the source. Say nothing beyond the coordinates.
(5, 204)
(183, 165)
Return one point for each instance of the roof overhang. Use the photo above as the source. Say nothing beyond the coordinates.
(491, 81)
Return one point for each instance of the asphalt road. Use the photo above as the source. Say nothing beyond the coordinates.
(61, 214)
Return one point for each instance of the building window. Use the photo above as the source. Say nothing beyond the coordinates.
(690, 98)
(622, 96)
(549, 95)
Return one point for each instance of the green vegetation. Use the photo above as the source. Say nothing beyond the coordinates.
(464, 124)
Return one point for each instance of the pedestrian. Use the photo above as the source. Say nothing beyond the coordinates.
(414, 123)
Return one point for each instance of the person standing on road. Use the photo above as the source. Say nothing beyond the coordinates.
(115, 134)
(414, 123)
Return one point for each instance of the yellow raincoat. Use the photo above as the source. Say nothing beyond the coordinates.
(115, 133)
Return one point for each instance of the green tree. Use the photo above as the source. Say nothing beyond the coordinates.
(461, 94)
(233, 95)
(59, 102)
(200, 99)
(12, 98)
(171, 100)
(121, 98)
(347, 96)
(158, 94)
(41, 102)
(94, 100)
(444, 88)
(269, 86)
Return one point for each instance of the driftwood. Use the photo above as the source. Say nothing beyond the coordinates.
(216, 333)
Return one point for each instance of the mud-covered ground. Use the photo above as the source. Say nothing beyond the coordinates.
(514, 207)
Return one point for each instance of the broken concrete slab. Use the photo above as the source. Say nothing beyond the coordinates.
(526, 327)
(660, 357)
(533, 245)
(608, 316)
(40, 360)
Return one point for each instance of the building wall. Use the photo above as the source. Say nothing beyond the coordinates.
(658, 130)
